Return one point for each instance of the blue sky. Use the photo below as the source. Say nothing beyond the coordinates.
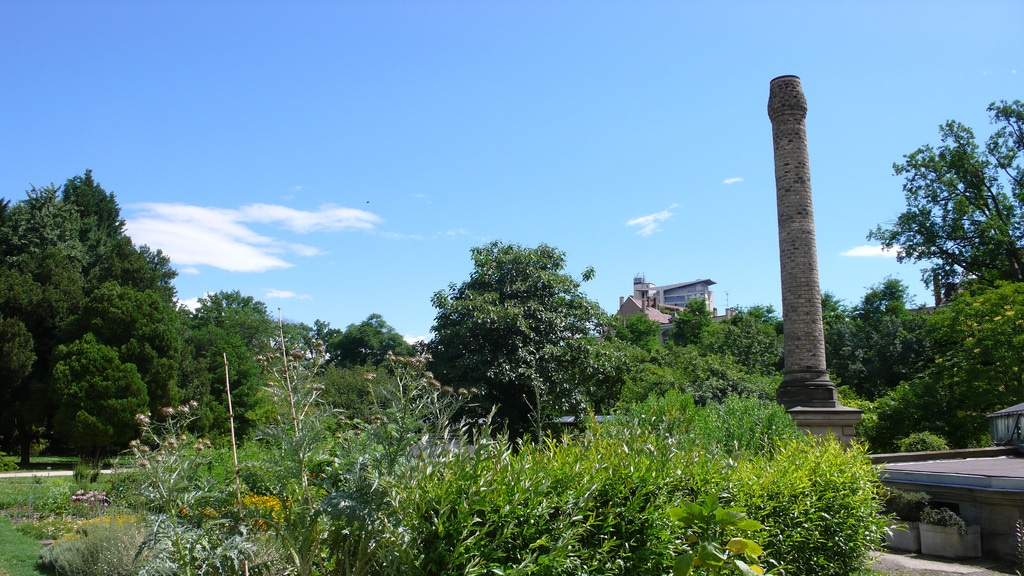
(337, 159)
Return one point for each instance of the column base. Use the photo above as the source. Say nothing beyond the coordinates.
(840, 421)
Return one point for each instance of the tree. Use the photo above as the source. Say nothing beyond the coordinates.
(638, 330)
(752, 337)
(965, 205)
(143, 330)
(879, 343)
(61, 248)
(97, 396)
(239, 326)
(690, 323)
(977, 367)
(513, 330)
(367, 342)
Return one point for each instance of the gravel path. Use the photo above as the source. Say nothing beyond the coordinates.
(905, 564)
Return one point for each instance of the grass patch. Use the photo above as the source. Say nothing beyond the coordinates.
(50, 463)
(19, 553)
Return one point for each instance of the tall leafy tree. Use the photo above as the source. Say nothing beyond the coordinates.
(752, 337)
(965, 205)
(239, 326)
(689, 325)
(977, 368)
(638, 330)
(367, 342)
(97, 396)
(879, 343)
(60, 248)
(512, 330)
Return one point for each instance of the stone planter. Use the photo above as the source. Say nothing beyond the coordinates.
(904, 536)
(947, 542)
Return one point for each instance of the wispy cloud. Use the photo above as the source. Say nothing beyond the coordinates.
(649, 224)
(868, 251)
(732, 180)
(221, 237)
(282, 294)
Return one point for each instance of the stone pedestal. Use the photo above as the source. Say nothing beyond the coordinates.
(840, 422)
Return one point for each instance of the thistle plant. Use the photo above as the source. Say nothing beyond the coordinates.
(185, 534)
(298, 441)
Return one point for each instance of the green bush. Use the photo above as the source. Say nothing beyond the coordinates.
(906, 505)
(742, 425)
(596, 505)
(820, 504)
(105, 545)
(922, 442)
(944, 517)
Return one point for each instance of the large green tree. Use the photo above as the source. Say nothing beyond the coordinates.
(965, 205)
(690, 323)
(752, 337)
(638, 330)
(97, 396)
(977, 368)
(240, 327)
(878, 343)
(368, 342)
(513, 331)
(60, 248)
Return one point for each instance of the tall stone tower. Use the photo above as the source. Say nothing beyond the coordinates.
(806, 390)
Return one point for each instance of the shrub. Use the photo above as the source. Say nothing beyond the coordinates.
(596, 505)
(85, 474)
(742, 425)
(906, 505)
(922, 442)
(944, 517)
(105, 545)
(820, 504)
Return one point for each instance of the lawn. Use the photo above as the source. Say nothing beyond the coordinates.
(19, 552)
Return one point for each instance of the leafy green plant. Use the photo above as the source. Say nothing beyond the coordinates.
(707, 525)
(821, 504)
(944, 517)
(906, 505)
(922, 442)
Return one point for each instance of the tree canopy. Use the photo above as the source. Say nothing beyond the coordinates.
(965, 205)
(74, 289)
(512, 330)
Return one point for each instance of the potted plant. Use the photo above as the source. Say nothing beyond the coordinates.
(906, 507)
(944, 533)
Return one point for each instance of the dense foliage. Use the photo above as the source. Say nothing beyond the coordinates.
(416, 496)
(86, 317)
(965, 205)
(514, 331)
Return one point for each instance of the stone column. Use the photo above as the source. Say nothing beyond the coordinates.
(806, 390)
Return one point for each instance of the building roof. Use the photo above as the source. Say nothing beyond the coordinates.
(631, 306)
(1016, 409)
(709, 282)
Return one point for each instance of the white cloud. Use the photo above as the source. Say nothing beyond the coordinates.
(219, 237)
(286, 294)
(328, 218)
(417, 339)
(868, 251)
(733, 180)
(649, 224)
